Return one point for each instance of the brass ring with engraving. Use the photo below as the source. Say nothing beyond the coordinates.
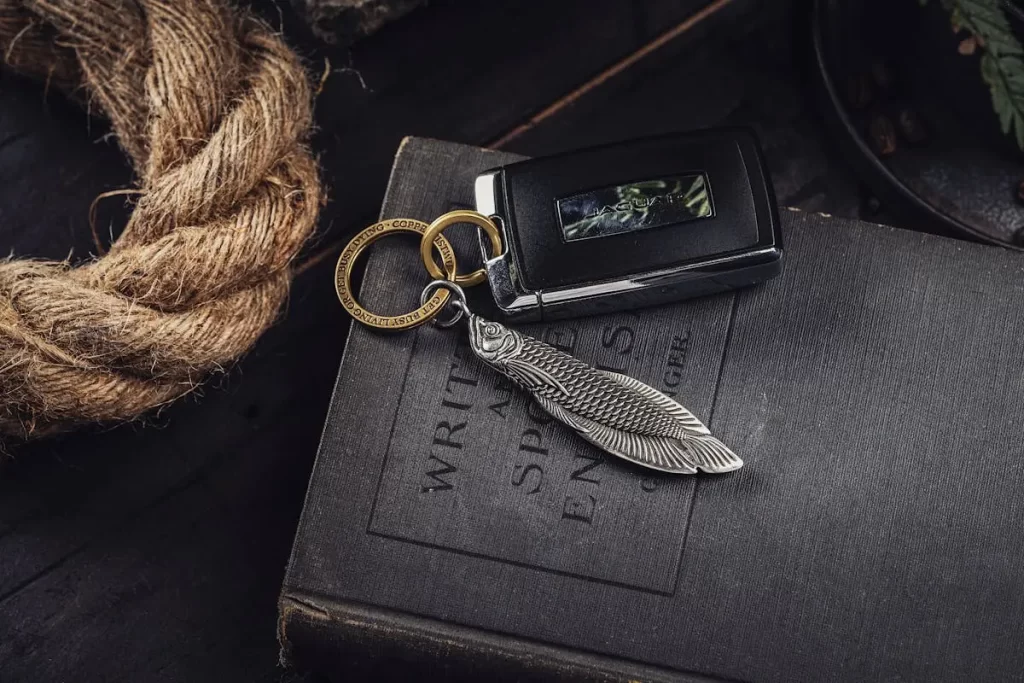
(447, 220)
(346, 263)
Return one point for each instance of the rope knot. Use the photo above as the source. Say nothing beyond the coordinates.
(214, 112)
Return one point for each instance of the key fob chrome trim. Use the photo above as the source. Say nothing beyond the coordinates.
(631, 224)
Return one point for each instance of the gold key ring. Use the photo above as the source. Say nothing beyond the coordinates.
(346, 263)
(451, 218)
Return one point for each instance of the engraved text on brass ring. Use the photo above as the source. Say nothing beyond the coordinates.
(346, 263)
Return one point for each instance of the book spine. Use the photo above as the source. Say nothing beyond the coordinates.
(349, 641)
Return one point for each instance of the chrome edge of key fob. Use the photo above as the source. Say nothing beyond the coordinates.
(656, 220)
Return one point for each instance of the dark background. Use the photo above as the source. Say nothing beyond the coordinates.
(155, 551)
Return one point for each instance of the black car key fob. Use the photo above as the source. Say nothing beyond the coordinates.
(630, 224)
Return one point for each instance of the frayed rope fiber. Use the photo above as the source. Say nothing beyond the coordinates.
(214, 111)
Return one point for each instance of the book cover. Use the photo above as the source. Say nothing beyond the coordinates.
(873, 390)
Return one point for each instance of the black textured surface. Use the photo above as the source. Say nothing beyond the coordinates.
(873, 532)
(341, 22)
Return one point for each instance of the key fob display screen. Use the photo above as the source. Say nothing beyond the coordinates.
(634, 206)
(631, 224)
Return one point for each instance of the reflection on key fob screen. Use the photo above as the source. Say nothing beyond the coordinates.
(635, 206)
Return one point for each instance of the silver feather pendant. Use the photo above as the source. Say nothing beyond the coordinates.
(616, 413)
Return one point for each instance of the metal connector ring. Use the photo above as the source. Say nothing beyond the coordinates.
(458, 301)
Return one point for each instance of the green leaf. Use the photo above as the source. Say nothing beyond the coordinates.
(1005, 79)
(1002, 64)
(986, 20)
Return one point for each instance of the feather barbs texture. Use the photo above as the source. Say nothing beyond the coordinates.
(214, 111)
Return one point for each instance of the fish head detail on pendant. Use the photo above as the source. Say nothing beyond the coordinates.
(492, 342)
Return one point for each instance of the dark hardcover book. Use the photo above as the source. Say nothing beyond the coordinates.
(875, 533)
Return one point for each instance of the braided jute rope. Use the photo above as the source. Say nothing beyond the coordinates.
(214, 111)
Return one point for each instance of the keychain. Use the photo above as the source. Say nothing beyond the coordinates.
(554, 246)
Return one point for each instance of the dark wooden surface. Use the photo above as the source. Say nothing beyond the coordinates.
(155, 551)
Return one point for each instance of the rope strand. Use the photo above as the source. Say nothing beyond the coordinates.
(214, 111)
